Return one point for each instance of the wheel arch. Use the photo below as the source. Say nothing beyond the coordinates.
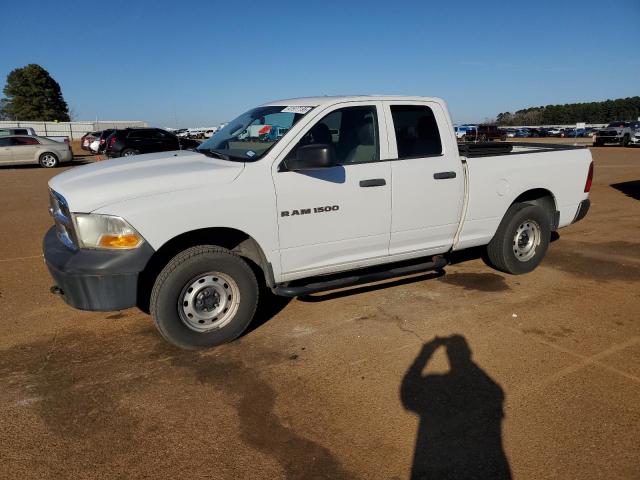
(232, 239)
(545, 199)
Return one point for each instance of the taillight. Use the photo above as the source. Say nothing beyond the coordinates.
(587, 185)
(112, 141)
(102, 140)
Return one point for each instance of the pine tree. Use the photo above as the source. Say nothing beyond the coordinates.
(32, 94)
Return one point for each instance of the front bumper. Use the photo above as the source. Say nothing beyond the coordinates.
(99, 280)
(608, 139)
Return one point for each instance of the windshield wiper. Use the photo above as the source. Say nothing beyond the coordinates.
(209, 152)
(212, 153)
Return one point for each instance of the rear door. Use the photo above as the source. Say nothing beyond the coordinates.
(428, 186)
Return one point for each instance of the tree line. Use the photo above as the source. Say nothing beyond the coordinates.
(570, 113)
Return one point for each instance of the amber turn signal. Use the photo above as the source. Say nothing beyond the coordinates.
(130, 240)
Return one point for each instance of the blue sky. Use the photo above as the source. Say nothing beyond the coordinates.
(200, 63)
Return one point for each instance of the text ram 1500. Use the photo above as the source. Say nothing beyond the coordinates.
(358, 189)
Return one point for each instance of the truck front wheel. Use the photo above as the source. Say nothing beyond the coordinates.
(204, 296)
(521, 240)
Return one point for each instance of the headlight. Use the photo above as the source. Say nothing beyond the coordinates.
(105, 231)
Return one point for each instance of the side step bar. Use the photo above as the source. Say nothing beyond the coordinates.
(435, 264)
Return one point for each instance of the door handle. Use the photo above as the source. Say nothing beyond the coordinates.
(374, 182)
(444, 175)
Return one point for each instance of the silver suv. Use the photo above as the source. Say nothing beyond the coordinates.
(616, 132)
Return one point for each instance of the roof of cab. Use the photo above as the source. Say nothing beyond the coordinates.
(315, 101)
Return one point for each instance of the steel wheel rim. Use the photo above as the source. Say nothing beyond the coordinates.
(48, 160)
(208, 302)
(526, 240)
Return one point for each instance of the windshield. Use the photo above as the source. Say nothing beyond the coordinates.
(617, 124)
(252, 134)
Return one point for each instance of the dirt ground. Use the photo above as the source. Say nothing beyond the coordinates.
(474, 373)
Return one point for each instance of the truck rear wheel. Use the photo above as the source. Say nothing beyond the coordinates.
(204, 296)
(521, 240)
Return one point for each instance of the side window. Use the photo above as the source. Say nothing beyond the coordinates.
(351, 131)
(417, 133)
(160, 135)
(25, 141)
(139, 134)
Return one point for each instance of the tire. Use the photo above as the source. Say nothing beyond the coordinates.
(129, 152)
(175, 294)
(48, 160)
(522, 222)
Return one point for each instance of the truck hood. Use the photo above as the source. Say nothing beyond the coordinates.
(93, 186)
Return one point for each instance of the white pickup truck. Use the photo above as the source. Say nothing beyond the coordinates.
(359, 189)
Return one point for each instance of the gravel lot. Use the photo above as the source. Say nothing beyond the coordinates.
(538, 376)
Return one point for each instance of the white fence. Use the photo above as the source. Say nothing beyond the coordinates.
(73, 130)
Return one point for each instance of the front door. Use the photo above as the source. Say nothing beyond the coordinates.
(338, 217)
(428, 180)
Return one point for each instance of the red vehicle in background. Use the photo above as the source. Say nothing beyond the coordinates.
(485, 133)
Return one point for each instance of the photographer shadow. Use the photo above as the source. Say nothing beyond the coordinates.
(461, 411)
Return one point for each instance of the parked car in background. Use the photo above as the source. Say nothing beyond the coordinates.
(210, 131)
(554, 132)
(87, 139)
(635, 138)
(616, 132)
(100, 143)
(522, 133)
(485, 133)
(18, 149)
(196, 133)
(133, 141)
(462, 130)
(16, 131)
(5, 131)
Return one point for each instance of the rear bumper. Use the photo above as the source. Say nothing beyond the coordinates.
(98, 280)
(583, 208)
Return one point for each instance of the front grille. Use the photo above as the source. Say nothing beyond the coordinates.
(64, 223)
(608, 133)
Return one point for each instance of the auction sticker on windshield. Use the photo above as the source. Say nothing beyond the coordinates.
(297, 109)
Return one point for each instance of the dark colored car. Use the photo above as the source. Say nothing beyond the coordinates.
(133, 141)
(485, 133)
(104, 135)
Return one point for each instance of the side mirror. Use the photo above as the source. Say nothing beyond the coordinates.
(312, 157)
